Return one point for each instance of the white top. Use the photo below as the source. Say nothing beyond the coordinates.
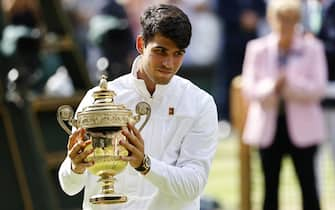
(181, 147)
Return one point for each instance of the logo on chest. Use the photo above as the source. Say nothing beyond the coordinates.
(171, 111)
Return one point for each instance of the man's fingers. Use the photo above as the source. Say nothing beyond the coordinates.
(86, 164)
(71, 142)
(131, 148)
(75, 150)
(82, 134)
(133, 139)
(136, 132)
(83, 165)
(128, 158)
(80, 158)
(79, 148)
(85, 143)
(78, 135)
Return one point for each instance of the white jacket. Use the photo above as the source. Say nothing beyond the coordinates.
(181, 147)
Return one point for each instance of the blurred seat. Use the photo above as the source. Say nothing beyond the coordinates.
(238, 111)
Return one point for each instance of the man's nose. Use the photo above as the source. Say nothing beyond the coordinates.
(168, 62)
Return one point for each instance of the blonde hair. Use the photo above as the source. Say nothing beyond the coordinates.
(277, 7)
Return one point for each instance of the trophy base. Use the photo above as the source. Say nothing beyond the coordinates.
(108, 199)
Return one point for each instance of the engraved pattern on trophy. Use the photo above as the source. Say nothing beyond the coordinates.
(103, 121)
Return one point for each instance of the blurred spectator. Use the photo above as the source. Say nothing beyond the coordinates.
(199, 64)
(109, 30)
(311, 16)
(241, 20)
(21, 44)
(206, 33)
(103, 31)
(24, 48)
(284, 79)
(327, 35)
(80, 12)
(134, 10)
(21, 12)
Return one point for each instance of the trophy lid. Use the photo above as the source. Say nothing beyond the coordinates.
(103, 112)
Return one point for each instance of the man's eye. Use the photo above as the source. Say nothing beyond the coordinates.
(179, 53)
(160, 51)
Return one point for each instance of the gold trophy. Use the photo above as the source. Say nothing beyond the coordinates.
(103, 121)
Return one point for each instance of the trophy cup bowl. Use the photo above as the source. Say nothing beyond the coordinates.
(103, 121)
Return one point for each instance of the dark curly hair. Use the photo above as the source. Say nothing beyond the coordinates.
(169, 21)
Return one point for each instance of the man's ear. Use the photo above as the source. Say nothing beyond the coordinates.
(139, 44)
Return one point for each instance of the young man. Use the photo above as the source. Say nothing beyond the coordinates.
(178, 142)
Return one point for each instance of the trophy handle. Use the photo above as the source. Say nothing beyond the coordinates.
(143, 108)
(65, 113)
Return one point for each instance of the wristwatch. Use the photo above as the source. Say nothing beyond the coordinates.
(144, 168)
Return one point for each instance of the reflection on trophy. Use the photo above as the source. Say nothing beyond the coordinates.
(103, 121)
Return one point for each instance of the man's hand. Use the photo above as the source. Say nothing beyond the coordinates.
(135, 146)
(77, 153)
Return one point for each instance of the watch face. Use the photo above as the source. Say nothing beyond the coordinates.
(145, 165)
(147, 162)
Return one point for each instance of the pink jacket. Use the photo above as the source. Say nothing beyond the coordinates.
(306, 79)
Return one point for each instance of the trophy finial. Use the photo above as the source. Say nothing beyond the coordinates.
(103, 82)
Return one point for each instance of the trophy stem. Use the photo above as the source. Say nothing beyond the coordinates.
(107, 195)
(107, 182)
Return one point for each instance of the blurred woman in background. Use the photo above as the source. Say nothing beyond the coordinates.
(284, 79)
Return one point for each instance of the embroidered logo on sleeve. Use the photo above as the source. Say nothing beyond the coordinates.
(171, 111)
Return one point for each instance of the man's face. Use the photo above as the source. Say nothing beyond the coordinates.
(161, 58)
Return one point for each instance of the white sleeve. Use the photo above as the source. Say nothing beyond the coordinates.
(189, 177)
(70, 182)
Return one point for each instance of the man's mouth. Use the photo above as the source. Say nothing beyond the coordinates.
(165, 71)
